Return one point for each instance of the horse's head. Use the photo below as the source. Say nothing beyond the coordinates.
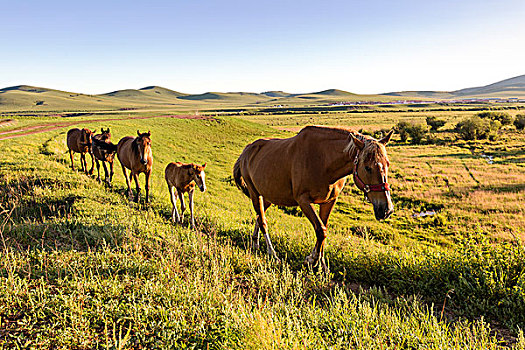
(85, 136)
(144, 145)
(105, 135)
(371, 173)
(198, 175)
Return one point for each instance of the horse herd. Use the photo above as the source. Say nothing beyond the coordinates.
(134, 154)
(306, 169)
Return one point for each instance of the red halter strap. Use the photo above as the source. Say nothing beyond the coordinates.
(382, 187)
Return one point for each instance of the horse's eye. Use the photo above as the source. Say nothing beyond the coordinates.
(368, 169)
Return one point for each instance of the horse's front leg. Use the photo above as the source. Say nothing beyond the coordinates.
(308, 209)
(92, 163)
(324, 213)
(136, 178)
(128, 182)
(110, 172)
(148, 174)
(106, 174)
(192, 218)
(98, 170)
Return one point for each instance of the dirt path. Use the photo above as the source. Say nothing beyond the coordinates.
(35, 129)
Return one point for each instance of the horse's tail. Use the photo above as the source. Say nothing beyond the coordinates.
(239, 180)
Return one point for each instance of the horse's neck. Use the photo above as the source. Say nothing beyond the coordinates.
(340, 163)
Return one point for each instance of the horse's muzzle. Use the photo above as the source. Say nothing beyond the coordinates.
(143, 162)
(383, 212)
(202, 188)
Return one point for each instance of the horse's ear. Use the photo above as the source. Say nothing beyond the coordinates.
(386, 138)
(138, 133)
(204, 165)
(358, 143)
(94, 131)
(149, 133)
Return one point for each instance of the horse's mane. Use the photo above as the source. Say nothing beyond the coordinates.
(342, 130)
(373, 150)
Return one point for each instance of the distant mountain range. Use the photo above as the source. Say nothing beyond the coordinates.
(24, 97)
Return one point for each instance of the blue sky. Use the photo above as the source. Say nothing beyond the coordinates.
(297, 46)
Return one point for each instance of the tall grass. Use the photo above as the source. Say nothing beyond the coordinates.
(81, 267)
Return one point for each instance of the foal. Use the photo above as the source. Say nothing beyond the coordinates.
(103, 150)
(79, 141)
(182, 178)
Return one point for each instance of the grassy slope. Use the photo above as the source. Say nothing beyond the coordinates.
(81, 264)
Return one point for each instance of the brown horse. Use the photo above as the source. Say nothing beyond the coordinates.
(104, 151)
(135, 154)
(182, 178)
(79, 141)
(311, 168)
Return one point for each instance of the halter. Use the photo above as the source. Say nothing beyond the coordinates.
(382, 187)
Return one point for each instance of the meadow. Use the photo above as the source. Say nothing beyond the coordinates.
(82, 267)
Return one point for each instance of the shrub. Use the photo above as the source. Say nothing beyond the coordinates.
(416, 131)
(402, 128)
(476, 128)
(502, 117)
(519, 122)
(435, 123)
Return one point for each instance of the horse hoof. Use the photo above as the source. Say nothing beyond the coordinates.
(311, 261)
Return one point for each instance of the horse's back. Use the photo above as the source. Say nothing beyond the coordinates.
(282, 169)
(171, 171)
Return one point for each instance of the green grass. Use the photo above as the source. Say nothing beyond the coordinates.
(81, 267)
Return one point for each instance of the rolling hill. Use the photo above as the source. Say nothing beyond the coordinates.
(31, 98)
(513, 87)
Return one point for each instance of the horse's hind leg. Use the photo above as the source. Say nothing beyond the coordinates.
(259, 204)
(71, 156)
(182, 206)
(82, 161)
(320, 230)
(174, 212)
(256, 231)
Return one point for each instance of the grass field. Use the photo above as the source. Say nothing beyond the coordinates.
(82, 267)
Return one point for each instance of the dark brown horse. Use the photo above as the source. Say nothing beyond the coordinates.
(311, 168)
(79, 141)
(135, 154)
(104, 151)
(182, 178)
